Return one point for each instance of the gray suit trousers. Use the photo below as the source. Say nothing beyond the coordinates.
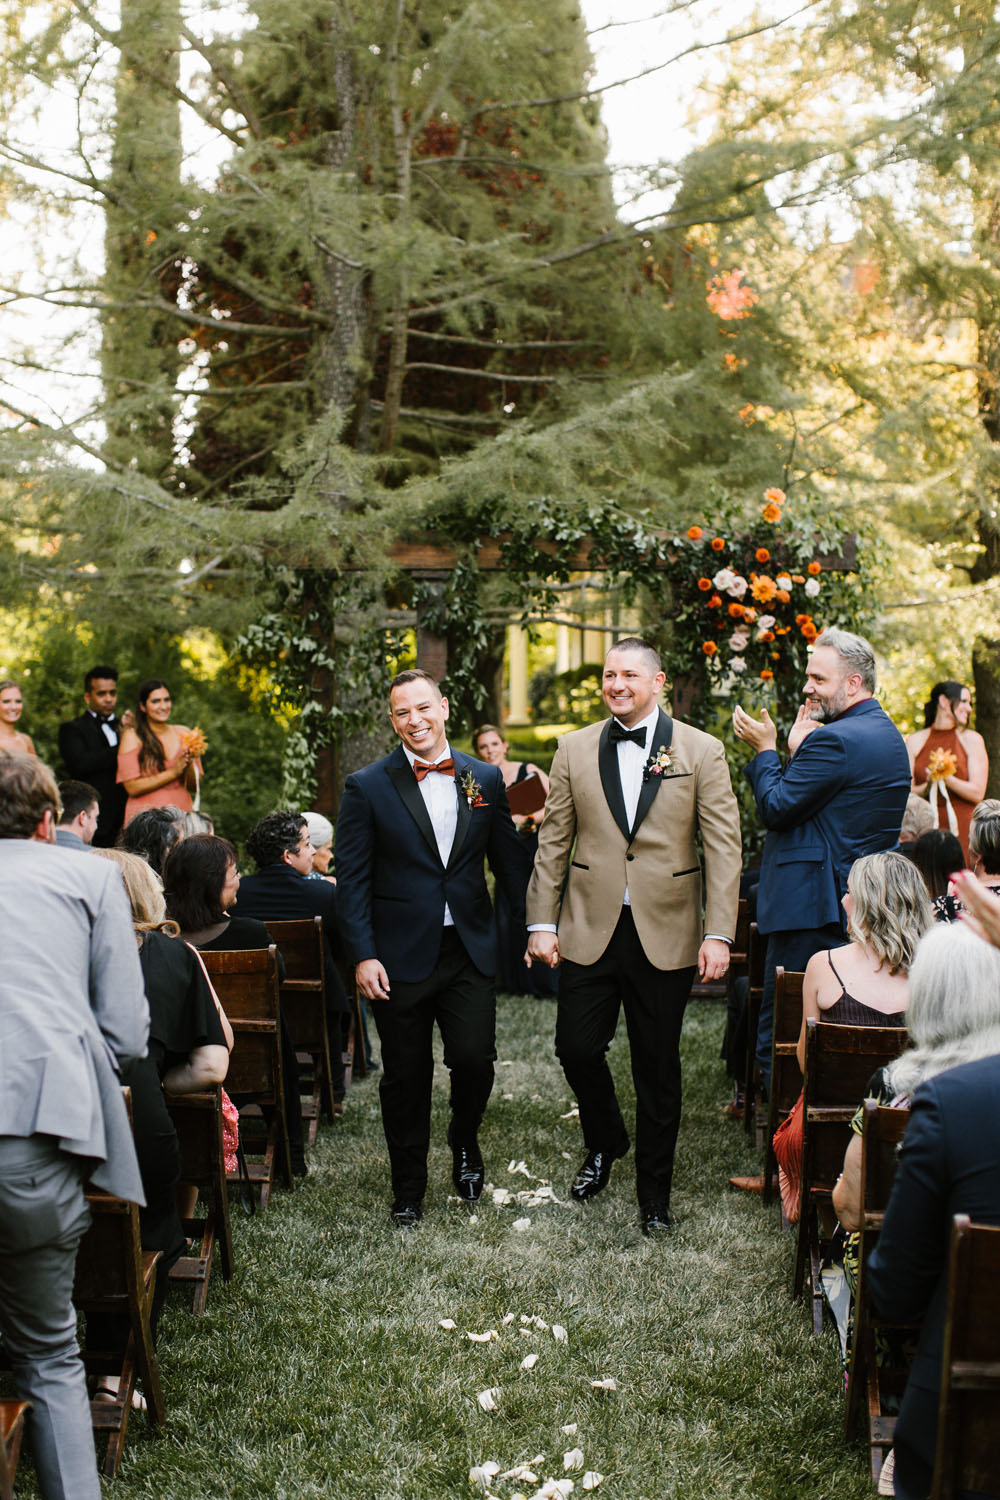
(43, 1215)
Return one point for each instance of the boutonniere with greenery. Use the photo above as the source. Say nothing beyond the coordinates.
(473, 791)
(658, 764)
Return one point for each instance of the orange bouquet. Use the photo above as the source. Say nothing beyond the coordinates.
(941, 765)
(194, 742)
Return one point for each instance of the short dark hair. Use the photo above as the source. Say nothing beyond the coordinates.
(937, 854)
(76, 797)
(28, 790)
(151, 834)
(273, 836)
(194, 873)
(635, 643)
(414, 674)
(111, 672)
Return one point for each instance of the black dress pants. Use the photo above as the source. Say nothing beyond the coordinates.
(590, 999)
(463, 1003)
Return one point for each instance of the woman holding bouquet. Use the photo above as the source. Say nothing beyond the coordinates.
(948, 760)
(158, 761)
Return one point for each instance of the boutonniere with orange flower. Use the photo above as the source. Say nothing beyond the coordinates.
(659, 764)
(473, 791)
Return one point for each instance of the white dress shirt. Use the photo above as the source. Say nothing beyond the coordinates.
(108, 730)
(631, 763)
(441, 801)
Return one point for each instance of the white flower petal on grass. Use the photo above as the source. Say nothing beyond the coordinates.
(541, 1325)
(483, 1473)
(447, 1323)
(571, 1429)
(573, 1459)
(509, 1097)
(519, 1166)
(591, 1480)
(566, 1156)
(571, 1114)
(521, 1224)
(556, 1489)
(559, 1334)
(606, 1383)
(507, 1063)
(529, 1333)
(521, 1471)
(508, 1318)
(501, 1196)
(488, 1399)
(529, 1361)
(482, 1338)
(473, 1219)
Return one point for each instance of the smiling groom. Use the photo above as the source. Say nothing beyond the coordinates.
(616, 900)
(412, 833)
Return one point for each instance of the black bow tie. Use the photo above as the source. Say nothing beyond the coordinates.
(620, 733)
(106, 718)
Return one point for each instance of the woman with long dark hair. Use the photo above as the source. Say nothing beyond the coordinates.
(948, 760)
(158, 761)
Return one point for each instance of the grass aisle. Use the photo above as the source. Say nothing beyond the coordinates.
(321, 1370)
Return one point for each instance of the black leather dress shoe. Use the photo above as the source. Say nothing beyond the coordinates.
(406, 1215)
(467, 1172)
(593, 1175)
(655, 1218)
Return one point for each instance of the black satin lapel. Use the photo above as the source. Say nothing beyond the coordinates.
(462, 764)
(607, 761)
(663, 734)
(405, 782)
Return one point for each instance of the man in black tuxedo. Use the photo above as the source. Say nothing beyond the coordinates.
(412, 834)
(89, 749)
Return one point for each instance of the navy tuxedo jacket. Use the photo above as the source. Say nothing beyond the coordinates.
(391, 884)
(840, 796)
(281, 894)
(949, 1164)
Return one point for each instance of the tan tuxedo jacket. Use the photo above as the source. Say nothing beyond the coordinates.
(587, 854)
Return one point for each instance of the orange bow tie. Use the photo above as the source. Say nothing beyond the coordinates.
(422, 768)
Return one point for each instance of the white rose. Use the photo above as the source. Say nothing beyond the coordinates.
(737, 664)
(723, 578)
(765, 622)
(812, 587)
(738, 587)
(783, 581)
(738, 641)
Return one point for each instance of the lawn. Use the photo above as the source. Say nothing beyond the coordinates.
(322, 1370)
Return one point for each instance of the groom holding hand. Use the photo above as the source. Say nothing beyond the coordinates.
(616, 898)
(412, 833)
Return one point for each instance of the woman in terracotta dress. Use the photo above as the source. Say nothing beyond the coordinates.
(952, 798)
(154, 764)
(12, 741)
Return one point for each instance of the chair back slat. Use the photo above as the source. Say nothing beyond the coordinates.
(968, 1436)
(302, 948)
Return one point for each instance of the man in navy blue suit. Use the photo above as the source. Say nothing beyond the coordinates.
(412, 833)
(841, 795)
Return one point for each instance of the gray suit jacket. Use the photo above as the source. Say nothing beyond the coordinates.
(72, 1007)
(67, 840)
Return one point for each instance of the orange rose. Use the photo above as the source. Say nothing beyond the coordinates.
(814, 568)
(736, 610)
(715, 601)
(762, 554)
(745, 414)
(704, 584)
(782, 629)
(771, 512)
(774, 496)
(709, 648)
(775, 655)
(764, 589)
(783, 596)
(767, 674)
(695, 533)
(717, 544)
(802, 619)
(767, 635)
(810, 631)
(749, 614)
(797, 578)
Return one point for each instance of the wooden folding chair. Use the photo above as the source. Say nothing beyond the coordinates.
(303, 1005)
(198, 1121)
(116, 1278)
(968, 1434)
(786, 1079)
(756, 949)
(870, 1378)
(246, 983)
(12, 1414)
(840, 1060)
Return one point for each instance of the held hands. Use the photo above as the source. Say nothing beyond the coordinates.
(371, 979)
(543, 947)
(759, 736)
(713, 959)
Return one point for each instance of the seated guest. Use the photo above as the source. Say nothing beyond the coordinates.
(283, 851)
(984, 855)
(321, 837)
(72, 1012)
(152, 834)
(78, 824)
(917, 819)
(949, 1164)
(189, 1043)
(201, 882)
(195, 822)
(937, 854)
(862, 984)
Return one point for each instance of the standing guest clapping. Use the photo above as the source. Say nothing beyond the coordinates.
(12, 741)
(89, 749)
(157, 761)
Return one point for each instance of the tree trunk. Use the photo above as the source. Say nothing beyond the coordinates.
(986, 679)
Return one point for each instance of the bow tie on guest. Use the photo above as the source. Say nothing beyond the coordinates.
(422, 768)
(106, 718)
(620, 733)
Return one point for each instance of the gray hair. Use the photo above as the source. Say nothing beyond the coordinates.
(984, 835)
(890, 909)
(854, 651)
(954, 1012)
